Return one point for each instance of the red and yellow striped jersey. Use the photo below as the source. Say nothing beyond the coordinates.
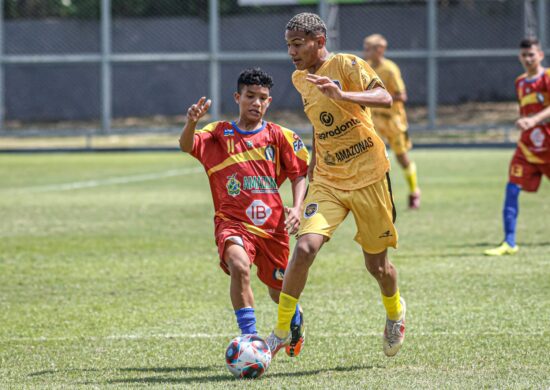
(533, 97)
(245, 170)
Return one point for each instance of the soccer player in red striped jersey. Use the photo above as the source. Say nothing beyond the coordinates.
(246, 162)
(532, 157)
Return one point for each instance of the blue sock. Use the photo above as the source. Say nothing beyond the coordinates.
(297, 317)
(510, 213)
(246, 320)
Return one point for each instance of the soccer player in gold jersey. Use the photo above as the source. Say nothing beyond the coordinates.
(348, 173)
(392, 123)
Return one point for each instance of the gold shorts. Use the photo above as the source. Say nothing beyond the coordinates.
(372, 208)
(394, 130)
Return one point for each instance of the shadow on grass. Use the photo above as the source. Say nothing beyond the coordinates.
(534, 244)
(225, 378)
(49, 372)
(164, 369)
(126, 369)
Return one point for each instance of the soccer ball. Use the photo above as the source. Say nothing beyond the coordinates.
(247, 356)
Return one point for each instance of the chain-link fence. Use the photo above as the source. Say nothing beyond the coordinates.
(97, 67)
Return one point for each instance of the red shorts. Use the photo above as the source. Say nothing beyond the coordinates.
(270, 255)
(525, 174)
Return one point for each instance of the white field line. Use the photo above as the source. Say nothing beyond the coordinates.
(77, 185)
(145, 337)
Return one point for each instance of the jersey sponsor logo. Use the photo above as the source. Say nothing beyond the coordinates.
(339, 130)
(537, 137)
(355, 150)
(310, 210)
(326, 118)
(258, 212)
(329, 159)
(270, 153)
(260, 184)
(278, 274)
(233, 185)
(228, 133)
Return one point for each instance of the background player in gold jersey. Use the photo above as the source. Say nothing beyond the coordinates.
(350, 173)
(392, 123)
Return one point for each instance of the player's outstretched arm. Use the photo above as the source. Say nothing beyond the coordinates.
(376, 97)
(194, 113)
(292, 221)
(528, 122)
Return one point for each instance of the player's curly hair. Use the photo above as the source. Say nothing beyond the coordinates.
(307, 22)
(254, 76)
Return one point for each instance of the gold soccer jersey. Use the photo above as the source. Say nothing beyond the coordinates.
(349, 153)
(390, 75)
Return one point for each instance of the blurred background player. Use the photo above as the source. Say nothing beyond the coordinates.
(246, 162)
(391, 123)
(532, 157)
(350, 173)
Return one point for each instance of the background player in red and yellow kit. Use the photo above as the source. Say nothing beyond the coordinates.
(532, 157)
(246, 162)
(391, 123)
(350, 173)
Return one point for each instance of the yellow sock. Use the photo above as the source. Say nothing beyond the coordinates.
(410, 176)
(393, 306)
(287, 308)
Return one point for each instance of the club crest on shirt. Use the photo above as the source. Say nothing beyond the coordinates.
(249, 144)
(270, 153)
(537, 137)
(310, 210)
(233, 185)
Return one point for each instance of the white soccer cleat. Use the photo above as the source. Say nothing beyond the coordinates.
(275, 343)
(394, 333)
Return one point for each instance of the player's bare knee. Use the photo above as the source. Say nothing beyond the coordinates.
(238, 267)
(305, 253)
(378, 266)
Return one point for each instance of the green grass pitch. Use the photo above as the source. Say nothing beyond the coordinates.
(109, 279)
